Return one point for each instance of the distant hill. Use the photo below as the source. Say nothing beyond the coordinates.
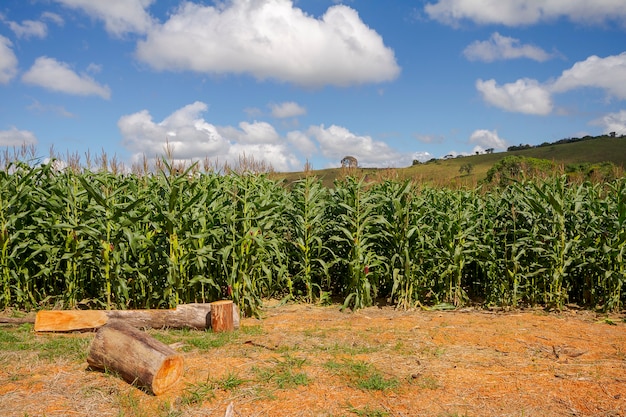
(565, 153)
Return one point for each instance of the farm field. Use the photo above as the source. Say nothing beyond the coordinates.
(501, 299)
(308, 360)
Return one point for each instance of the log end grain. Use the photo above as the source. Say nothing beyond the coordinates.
(222, 319)
(169, 374)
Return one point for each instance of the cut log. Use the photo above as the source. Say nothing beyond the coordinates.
(222, 316)
(194, 316)
(17, 320)
(136, 356)
(69, 320)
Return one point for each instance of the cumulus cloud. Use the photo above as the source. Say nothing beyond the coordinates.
(303, 143)
(251, 133)
(613, 122)
(500, 47)
(33, 28)
(422, 156)
(29, 29)
(8, 61)
(120, 17)
(270, 39)
(14, 137)
(486, 139)
(287, 109)
(58, 76)
(531, 97)
(523, 96)
(525, 12)
(607, 73)
(335, 142)
(190, 137)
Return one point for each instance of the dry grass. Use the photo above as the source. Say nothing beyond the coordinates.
(300, 360)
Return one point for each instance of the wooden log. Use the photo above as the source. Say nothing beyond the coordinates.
(136, 356)
(69, 320)
(194, 316)
(17, 320)
(222, 316)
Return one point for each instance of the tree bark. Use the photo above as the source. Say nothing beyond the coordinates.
(194, 316)
(222, 316)
(16, 320)
(136, 356)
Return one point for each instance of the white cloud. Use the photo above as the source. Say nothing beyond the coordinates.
(606, 73)
(335, 142)
(14, 137)
(525, 12)
(192, 138)
(613, 122)
(251, 133)
(29, 29)
(302, 142)
(53, 17)
(270, 39)
(422, 156)
(189, 135)
(58, 76)
(523, 96)
(119, 16)
(8, 61)
(287, 109)
(277, 155)
(486, 139)
(529, 96)
(503, 47)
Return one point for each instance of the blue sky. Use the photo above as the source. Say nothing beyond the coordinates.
(287, 82)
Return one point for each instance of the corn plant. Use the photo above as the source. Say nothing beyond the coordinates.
(452, 240)
(310, 257)
(252, 256)
(358, 228)
(71, 237)
(404, 247)
(16, 185)
(603, 273)
(113, 209)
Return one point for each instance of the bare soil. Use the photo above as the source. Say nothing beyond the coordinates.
(427, 363)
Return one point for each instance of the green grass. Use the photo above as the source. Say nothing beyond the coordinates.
(192, 339)
(362, 375)
(377, 382)
(229, 382)
(197, 393)
(72, 348)
(48, 346)
(286, 373)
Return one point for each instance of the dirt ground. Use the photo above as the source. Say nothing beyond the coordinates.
(427, 363)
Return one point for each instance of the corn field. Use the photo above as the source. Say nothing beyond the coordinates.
(102, 240)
